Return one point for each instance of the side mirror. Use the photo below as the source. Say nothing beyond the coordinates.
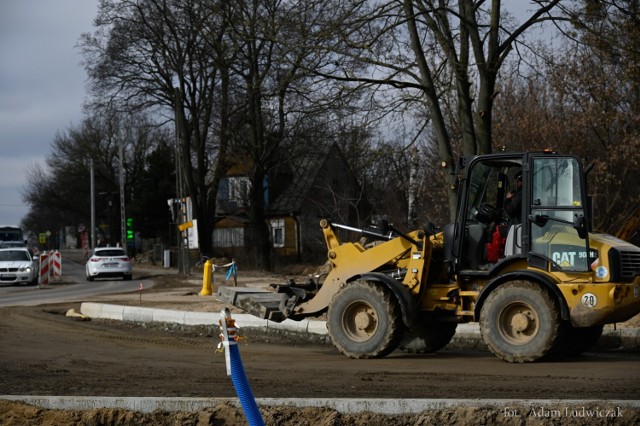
(580, 225)
(539, 219)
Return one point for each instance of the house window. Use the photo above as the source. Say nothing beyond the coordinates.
(239, 190)
(277, 232)
(228, 237)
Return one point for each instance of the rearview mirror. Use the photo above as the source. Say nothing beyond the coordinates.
(580, 225)
(539, 219)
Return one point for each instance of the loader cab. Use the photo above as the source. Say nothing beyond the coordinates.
(549, 229)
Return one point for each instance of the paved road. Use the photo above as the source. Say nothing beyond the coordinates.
(72, 287)
(44, 353)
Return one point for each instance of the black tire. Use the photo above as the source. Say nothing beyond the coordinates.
(89, 278)
(520, 322)
(126, 277)
(429, 336)
(578, 340)
(363, 320)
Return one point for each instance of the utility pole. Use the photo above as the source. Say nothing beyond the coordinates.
(183, 245)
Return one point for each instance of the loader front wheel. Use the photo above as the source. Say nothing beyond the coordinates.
(520, 322)
(363, 320)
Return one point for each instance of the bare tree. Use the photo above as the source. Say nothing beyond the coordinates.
(598, 80)
(276, 98)
(141, 55)
(59, 193)
(585, 100)
(428, 49)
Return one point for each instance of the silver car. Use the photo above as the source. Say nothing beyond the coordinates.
(108, 262)
(18, 266)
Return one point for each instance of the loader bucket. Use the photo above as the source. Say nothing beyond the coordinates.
(259, 303)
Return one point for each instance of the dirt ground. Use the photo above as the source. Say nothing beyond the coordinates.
(43, 352)
(15, 413)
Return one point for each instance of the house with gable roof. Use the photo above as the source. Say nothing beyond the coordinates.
(313, 186)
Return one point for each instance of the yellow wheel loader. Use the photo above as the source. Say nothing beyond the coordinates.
(539, 281)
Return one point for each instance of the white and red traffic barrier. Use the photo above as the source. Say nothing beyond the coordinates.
(44, 269)
(55, 264)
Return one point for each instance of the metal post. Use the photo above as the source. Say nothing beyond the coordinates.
(123, 219)
(93, 204)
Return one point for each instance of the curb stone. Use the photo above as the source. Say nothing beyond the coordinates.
(467, 336)
(342, 405)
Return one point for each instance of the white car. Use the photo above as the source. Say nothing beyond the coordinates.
(18, 266)
(108, 262)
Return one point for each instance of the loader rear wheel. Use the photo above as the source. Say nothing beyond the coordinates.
(520, 322)
(578, 340)
(363, 320)
(429, 336)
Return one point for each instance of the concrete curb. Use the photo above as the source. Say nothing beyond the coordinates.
(140, 314)
(467, 336)
(342, 405)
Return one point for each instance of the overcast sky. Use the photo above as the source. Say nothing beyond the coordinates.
(42, 86)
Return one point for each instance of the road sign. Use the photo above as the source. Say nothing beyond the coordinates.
(185, 226)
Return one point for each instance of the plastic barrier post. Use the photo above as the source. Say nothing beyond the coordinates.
(206, 279)
(55, 265)
(44, 269)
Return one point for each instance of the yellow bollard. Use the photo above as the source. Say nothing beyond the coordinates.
(206, 279)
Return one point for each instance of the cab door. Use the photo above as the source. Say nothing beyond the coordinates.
(480, 212)
(557, 231)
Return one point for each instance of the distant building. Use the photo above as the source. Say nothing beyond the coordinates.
(314, 186)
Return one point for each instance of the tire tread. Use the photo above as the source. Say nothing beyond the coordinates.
(554, 311)
(393, 333)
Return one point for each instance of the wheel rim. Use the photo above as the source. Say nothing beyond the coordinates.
(360, 321)
(518, 323)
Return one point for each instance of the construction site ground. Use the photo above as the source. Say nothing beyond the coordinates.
(44, 352)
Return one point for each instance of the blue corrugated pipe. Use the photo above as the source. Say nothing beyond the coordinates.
(236, 370)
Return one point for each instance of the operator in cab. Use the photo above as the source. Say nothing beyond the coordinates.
(513, 200)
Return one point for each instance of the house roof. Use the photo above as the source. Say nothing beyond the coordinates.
(305, 173)
(231, 221)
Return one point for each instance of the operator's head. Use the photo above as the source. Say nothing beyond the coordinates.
(518, 178)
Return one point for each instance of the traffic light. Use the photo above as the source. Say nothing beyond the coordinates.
(129, 229)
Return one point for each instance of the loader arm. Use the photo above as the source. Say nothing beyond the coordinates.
(410, 253)
(405, 259)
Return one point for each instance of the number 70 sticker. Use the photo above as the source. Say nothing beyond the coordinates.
(589, 300)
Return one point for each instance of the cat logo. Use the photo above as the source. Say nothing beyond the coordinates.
(564, 258)
(572, 256)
